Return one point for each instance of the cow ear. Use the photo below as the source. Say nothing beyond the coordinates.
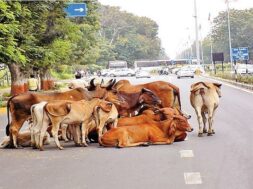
(217, 84)
(172, 129)
(145, 90)
(106, 106)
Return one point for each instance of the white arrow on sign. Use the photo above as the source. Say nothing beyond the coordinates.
(80, 10)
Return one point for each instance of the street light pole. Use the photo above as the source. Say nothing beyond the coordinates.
(197, 32)
(229, 36)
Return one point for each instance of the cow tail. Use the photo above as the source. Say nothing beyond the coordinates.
(7, 129)
(177, 97)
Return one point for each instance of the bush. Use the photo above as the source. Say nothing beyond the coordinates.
(247, 79)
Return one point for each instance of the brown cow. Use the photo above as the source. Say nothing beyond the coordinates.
(131, 102)
(19, 106)
(168, 93)
(163, 132)
(149, 116)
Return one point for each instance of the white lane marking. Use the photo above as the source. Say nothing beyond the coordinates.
(192, 178)
(186, 153)
(232, 86)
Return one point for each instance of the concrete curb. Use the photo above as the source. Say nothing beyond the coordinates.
(241, 85)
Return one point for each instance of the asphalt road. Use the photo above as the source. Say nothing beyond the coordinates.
(222, 161)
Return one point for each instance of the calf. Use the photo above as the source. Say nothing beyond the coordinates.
(24, 139)
(70, 112)
(104, 117)
(205, 100)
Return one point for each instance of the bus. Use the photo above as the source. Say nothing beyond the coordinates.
(149, 65)
(117, 64)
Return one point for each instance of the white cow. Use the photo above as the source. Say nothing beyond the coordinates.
(205, 100)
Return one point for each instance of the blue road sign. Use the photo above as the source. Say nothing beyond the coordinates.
(76, 10)
(241, 53)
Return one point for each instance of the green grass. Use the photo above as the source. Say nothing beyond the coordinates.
(247, 79)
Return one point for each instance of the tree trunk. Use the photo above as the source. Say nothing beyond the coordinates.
(17, 79)
(47, 82)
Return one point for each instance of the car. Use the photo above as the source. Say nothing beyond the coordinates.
(185, 72)
(121, 72)
(242, 68)
(105, 72)
(142, 74)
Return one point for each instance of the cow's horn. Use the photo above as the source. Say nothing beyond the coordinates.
(111, 83)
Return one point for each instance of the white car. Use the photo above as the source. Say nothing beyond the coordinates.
(121, 72)
(185, 72)
(142, 74)
(241, 68)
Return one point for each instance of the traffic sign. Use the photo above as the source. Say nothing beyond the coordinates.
(241, 53)
(76, 10)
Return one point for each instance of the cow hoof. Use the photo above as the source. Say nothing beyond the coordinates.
(213, 132)
(204, 131)
(200, 134)
(41, 149)
(84, 145)
(66, 141)
(145, 144)
(61, 148)
(209, 134)
(78, 145)
(19, 147)
(119, 147)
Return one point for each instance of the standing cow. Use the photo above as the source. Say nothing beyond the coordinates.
(205, 100)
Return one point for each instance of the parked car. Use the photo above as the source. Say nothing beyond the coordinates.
(242, 68)
(121, 72)
(142, 74)
(185, 72)
(105, 72)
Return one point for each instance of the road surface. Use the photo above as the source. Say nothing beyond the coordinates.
(222, 161)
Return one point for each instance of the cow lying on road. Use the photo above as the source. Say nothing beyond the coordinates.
(205, 100)
(162, 132)
(24, 139)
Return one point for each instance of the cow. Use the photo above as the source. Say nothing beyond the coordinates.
(163, 132)
(168, 93)
(70, 112)
(204, 99)
(151, 116)
(77, 84)
(18, 106)
(127, 103)
(130, 103)
(24, 139)
(103, 118)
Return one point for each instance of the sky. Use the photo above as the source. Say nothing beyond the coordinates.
(175, 18)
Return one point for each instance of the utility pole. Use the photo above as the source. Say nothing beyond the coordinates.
(229, 36)
(197, 32)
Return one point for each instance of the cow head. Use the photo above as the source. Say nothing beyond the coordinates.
(182, 123)
(148, 97)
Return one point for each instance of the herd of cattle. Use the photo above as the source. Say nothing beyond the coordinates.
(114, 114)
